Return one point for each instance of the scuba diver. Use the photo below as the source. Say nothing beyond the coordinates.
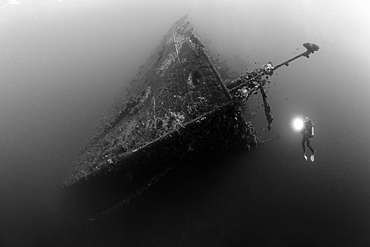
(308, 132)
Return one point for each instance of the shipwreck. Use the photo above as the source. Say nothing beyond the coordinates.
(181, 103)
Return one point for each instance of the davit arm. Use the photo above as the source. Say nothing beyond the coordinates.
(242, 87)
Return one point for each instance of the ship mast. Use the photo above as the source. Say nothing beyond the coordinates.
(242, 87)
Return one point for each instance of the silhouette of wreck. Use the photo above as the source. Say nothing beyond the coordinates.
(181, 104)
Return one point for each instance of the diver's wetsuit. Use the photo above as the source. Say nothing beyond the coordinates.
(307, 135)
(306, 138)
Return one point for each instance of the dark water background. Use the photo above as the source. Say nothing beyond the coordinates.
(64, 62)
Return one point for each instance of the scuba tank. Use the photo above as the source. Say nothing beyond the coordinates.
(312, 131)
(309, 128)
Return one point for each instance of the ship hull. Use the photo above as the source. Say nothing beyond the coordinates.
(218, 134)
(177, 109)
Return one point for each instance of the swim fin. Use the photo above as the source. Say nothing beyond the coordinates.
(312, 158)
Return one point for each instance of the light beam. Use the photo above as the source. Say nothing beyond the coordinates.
(298, 124)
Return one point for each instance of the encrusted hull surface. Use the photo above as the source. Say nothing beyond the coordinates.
(177, 106)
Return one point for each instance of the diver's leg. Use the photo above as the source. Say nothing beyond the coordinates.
(309, 146)
(304, 147)
(312, 157)
(303, 144)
